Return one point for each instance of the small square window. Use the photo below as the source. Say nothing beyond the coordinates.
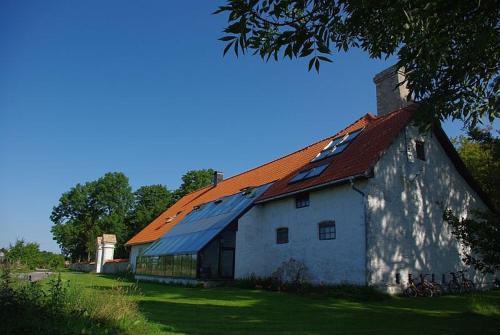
(282, 235)
(420, 148)
(327, 230)
(302, 200)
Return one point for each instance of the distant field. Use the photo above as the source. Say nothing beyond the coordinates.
(179, 310)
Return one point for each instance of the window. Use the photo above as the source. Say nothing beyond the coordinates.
(419, 147)
(327, 230)
(302, 200)
(306, 174)
(338, 145)
(282, 235)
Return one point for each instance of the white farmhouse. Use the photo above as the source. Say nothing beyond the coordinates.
(363, 206)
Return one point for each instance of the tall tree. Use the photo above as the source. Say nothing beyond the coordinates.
(149, 202)
(449, 49)
(480, 151)
(479, 233)
(86, 211)
(194, 180)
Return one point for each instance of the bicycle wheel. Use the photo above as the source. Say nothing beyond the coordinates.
(424, 290)
(437, 290)
(410, 292)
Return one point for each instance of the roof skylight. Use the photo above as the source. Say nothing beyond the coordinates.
(337, 145)
(306, 174)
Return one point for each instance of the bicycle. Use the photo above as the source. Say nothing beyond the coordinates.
(411, 289)
(454, 285)
(466, 284)
(460, 286)
(421, 289)
(436, 288)
(425, 288)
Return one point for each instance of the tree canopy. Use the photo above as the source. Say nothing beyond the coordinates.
(28, 255)
(479, 232)
(194, 180)
(107, 205)
(480, 151)
(86, 211)
(149, 202)
(449, 49)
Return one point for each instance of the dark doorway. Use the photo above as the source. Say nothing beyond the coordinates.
(226, 265)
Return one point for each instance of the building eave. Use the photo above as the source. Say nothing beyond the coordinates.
(366, 175)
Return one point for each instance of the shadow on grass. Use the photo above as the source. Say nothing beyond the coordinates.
(197, 313)
(26, 319)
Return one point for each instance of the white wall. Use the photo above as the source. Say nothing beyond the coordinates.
(329, 261)
(406, 200)
(136, 250)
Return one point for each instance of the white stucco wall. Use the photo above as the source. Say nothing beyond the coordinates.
(329, 261)
(135, 251)
(406, 200)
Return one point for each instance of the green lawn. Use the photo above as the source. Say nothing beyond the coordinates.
(179, 310)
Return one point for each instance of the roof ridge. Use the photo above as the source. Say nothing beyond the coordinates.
(367, 115)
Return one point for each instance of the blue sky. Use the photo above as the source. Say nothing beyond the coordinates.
(88, 87)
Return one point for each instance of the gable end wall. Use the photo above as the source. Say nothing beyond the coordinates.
(405, 203)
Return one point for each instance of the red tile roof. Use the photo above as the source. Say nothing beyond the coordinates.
(358, 158)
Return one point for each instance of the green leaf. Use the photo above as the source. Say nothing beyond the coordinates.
(326, 59)
(311, 63)
(228, 46)
(227, 38)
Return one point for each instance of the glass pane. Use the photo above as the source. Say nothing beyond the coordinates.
(194, 264)
(340, 148)
(316, 171)
(299, 176)
(355, 134)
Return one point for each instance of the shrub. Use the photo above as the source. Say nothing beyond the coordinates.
(62, 307)
(292, 275)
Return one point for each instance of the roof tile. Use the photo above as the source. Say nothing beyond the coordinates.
(358, 157)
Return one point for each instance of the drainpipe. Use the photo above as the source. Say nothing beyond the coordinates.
(363, 194)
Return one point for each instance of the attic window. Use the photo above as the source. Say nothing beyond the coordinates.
(310, 173)
(218, 201)
(169, 219)
(337, 145)
(420, 148)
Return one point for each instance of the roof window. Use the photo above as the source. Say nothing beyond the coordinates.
(337, 145)
(310, 173)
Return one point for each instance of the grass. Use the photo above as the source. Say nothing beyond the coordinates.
(182, 310)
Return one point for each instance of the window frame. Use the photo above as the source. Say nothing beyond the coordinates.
(420, 150)
(329, 235)
(281, 230)
(302, 200)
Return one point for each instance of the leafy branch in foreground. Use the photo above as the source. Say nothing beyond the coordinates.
(449, 49)
(479, 238)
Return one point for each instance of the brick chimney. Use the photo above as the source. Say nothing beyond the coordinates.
(218, 177)
(390, 96)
